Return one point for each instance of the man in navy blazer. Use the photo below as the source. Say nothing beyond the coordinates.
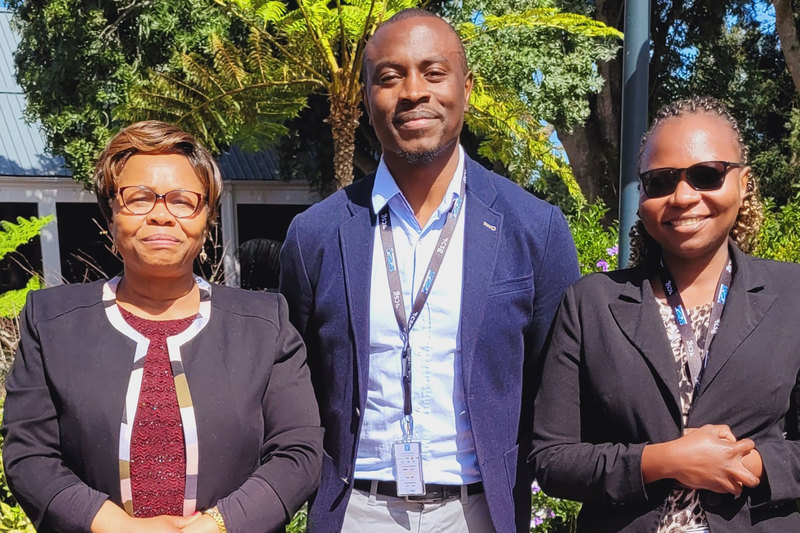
(348, 268)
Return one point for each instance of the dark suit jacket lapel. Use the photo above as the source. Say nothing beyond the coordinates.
(356, 237)
(482, 229)
(636, 313)
(745, 307)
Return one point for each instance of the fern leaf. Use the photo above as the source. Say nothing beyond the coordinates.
(11, 302)
(15, 235)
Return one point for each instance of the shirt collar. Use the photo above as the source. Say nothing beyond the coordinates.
(385, 188)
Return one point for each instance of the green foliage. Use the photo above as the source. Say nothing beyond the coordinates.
(596, 243)
(546, 57)
(248, 90)
(240, 96)
(11, 302)
(298, 522)
(534, 67)
(730, 50)
(13, 235)
(779, 237)
(12, 519)
(78, 58)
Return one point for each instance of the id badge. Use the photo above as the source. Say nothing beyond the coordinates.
(408, 468)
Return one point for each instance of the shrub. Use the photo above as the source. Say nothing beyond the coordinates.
(596, 243)
(779, 237)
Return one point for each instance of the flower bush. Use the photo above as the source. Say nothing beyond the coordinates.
(596, 242)
(552, 515)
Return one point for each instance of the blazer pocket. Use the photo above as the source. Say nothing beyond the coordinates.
(511, 285)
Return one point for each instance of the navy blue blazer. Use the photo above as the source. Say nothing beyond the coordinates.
(610, 386)
(519, 258)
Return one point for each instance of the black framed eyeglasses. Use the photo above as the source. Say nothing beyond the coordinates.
(140, 200)
(705, 176)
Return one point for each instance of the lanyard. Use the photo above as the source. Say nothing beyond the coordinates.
(396, 291)
(697, 361)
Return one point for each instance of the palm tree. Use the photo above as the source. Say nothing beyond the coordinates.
(249, 90)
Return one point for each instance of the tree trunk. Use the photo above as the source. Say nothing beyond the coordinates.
(343, 121)
(787, 32)
(593, 148)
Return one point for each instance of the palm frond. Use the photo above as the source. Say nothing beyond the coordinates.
(541, 18)
(512, 136)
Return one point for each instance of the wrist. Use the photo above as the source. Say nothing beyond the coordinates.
(110, 518)
(215, 515)
(657, 462)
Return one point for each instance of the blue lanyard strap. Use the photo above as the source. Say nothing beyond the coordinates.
(396, 291)
(696, 360)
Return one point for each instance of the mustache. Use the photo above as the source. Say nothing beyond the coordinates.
(414, 114)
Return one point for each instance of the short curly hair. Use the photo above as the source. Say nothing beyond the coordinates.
(748, 222)
(154, 137)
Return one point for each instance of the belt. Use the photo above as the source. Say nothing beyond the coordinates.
(433, 491)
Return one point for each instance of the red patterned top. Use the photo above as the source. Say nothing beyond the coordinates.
(158, 451)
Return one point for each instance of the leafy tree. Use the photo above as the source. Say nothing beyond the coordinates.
(786, 28)
(729, 50)
(78, 58)
(318, 48)
(241, 73)
(315, 48)
(539, 66)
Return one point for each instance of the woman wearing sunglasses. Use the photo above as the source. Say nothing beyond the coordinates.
(156, 401)
(669, 393)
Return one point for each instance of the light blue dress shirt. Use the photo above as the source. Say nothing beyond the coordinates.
(441, 421)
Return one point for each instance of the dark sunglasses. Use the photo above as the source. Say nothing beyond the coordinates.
(705, 176)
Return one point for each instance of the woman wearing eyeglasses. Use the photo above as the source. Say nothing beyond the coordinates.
(669, 393)
(155, 401)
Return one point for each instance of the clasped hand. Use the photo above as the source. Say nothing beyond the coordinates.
(112, 519)
(711, 458)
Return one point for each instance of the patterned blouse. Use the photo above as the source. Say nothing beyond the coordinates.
(682, 510)
(158, 451)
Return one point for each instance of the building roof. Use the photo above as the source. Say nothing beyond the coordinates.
(22, 145)
(234, 164)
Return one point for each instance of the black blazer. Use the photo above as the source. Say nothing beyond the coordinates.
(246, 369)
(610, 385)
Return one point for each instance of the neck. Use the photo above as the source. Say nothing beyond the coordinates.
(159, 298)
(424, 186)
(697, 278)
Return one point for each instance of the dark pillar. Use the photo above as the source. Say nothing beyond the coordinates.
(636, 58)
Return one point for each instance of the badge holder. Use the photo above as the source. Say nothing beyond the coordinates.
(407, 455)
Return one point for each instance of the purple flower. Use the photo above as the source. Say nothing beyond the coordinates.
(614, 250)
(603, 264)
(537, 521)
(535, 487)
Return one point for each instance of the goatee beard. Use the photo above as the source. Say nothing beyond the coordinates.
(421, 157)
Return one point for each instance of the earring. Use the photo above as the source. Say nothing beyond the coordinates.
(203, 255)
(114, 249)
